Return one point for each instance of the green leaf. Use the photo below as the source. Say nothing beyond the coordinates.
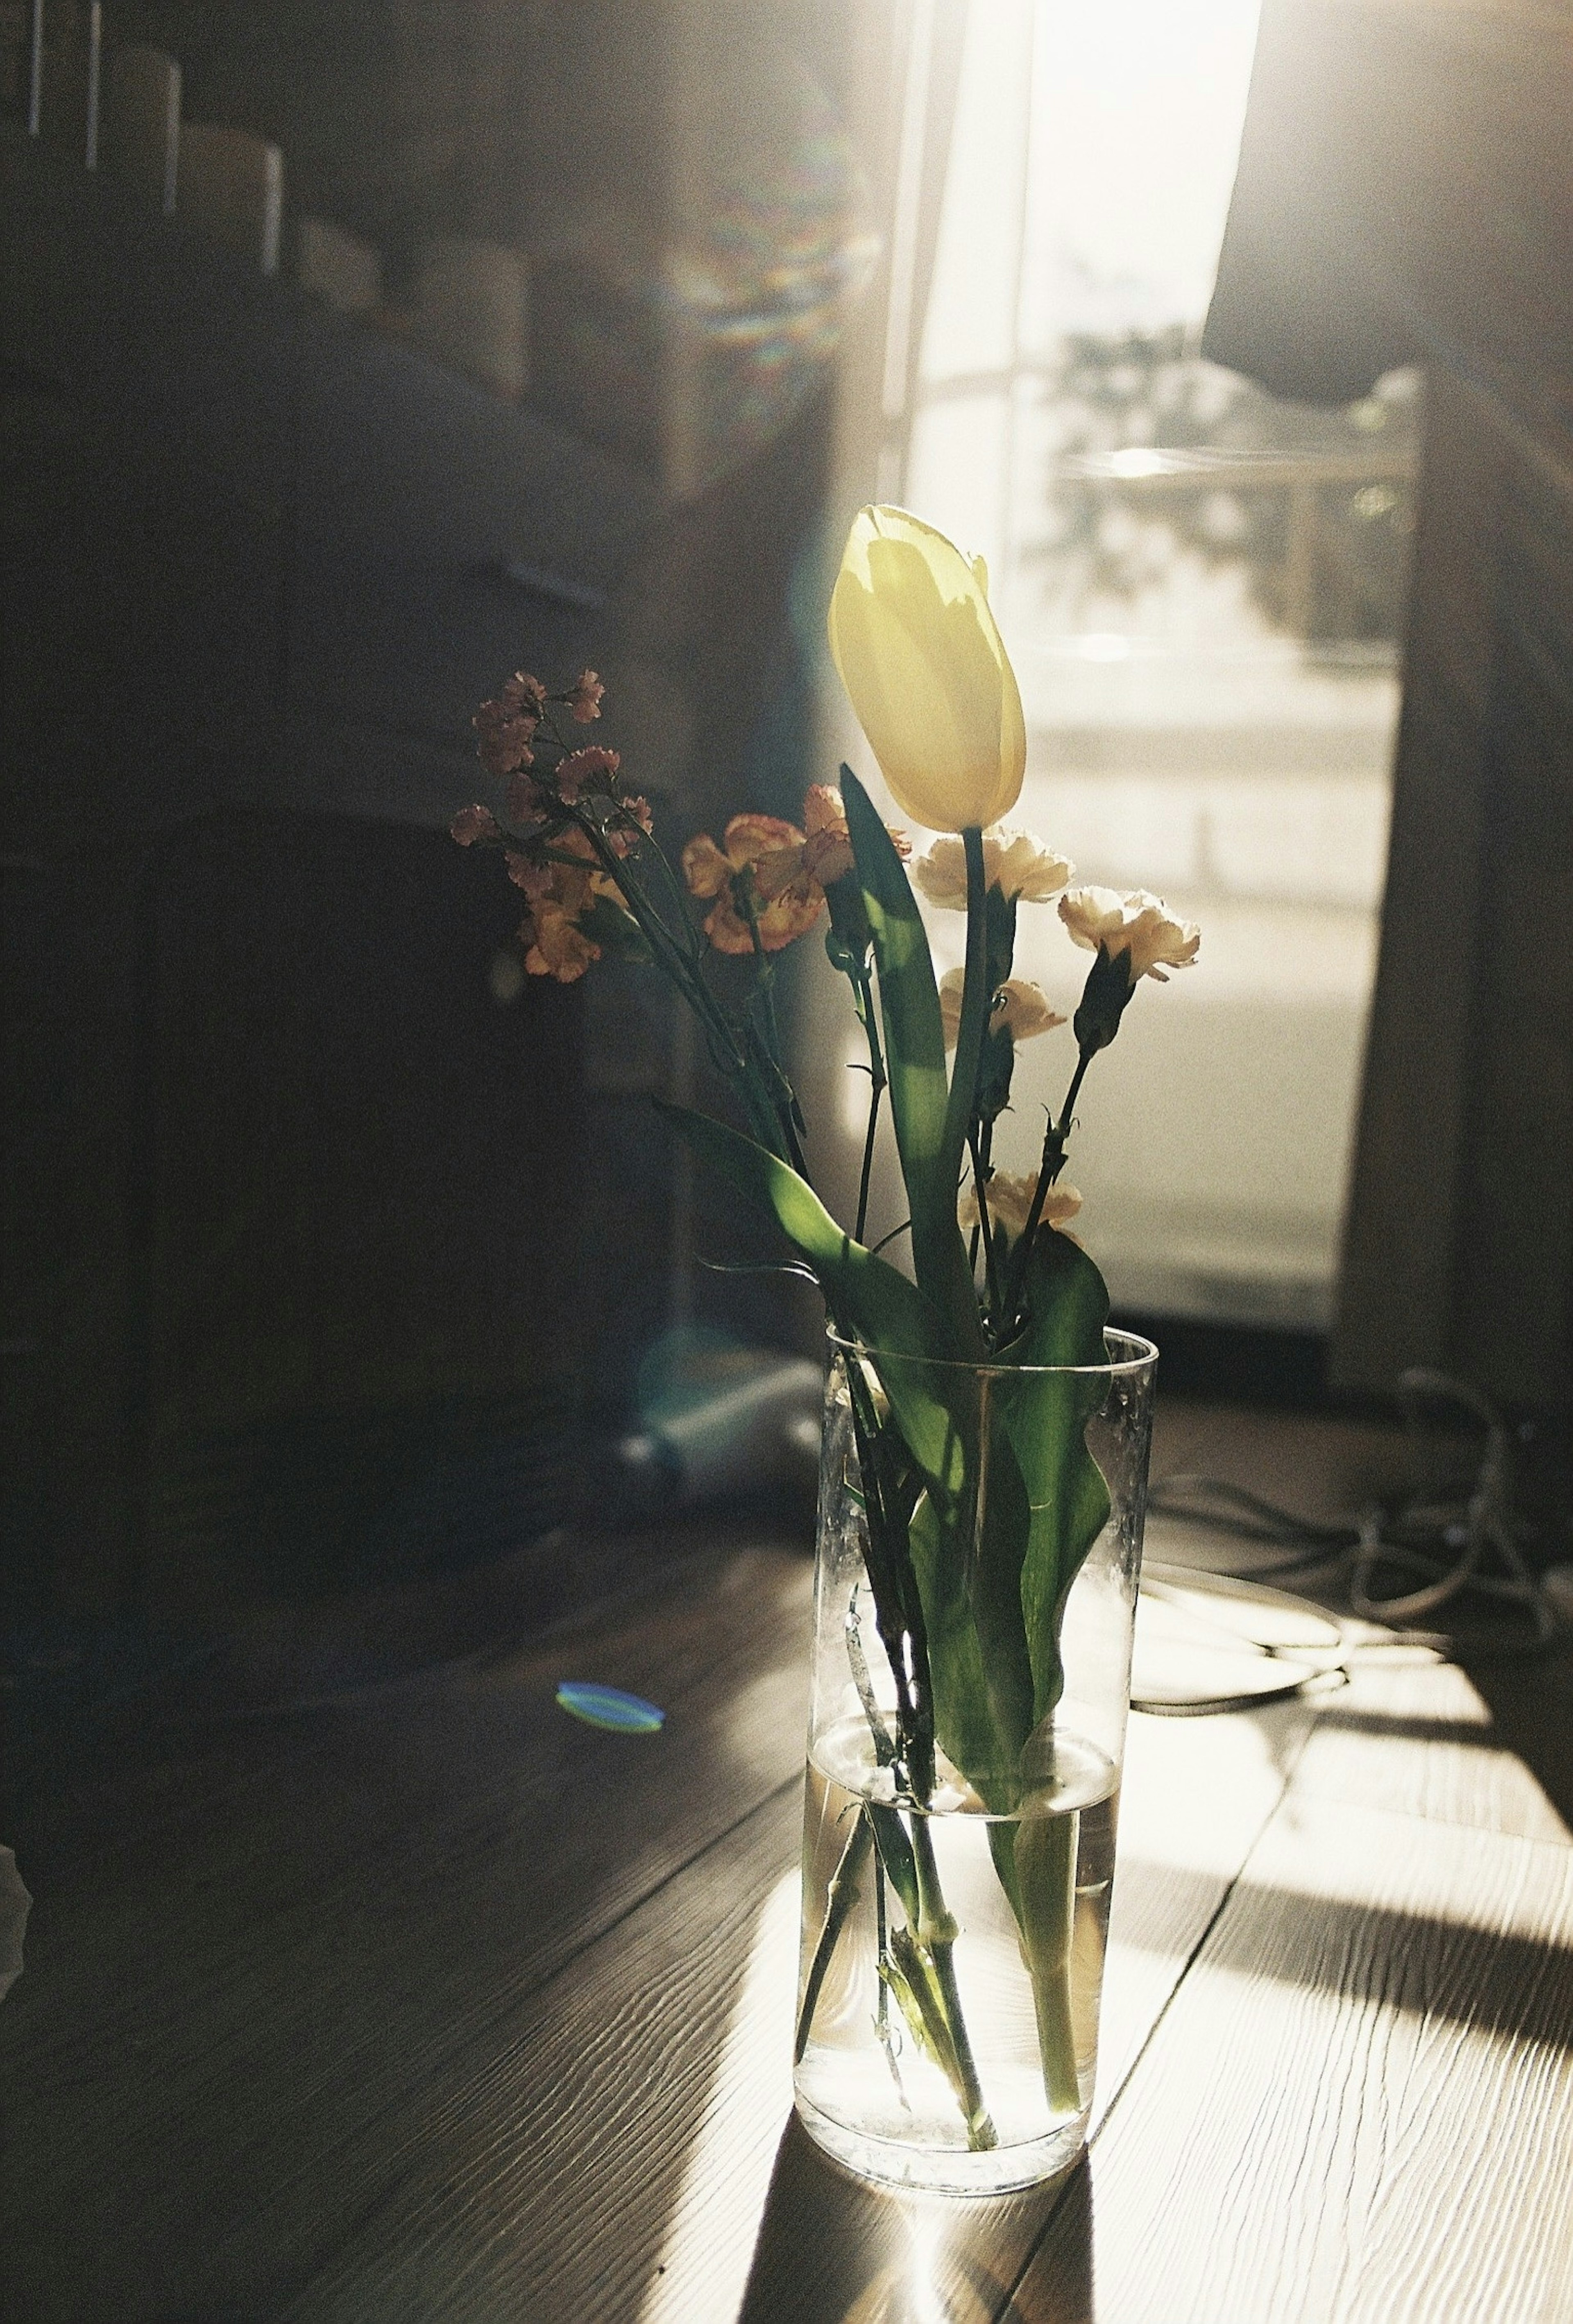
(914, 1044)
(868, 1298)
(996, 1550)
(977, 1646)
(1046, 1417)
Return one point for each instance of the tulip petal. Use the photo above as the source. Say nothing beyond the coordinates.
(922, 659)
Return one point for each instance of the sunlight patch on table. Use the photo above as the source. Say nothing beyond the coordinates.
(702, 2266)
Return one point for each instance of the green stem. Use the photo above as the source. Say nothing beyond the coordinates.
(898, 1603)
(1057, 1138)
(1045, 1871)
(962, 1103)
(924, 1957)
(757, 1090)
(679, 965)
(863, 990)
(769, 1039)
(937, 1935)
(980, 1180)
(845, 1887)
(881, 1939)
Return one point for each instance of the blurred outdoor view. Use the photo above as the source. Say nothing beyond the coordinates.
(1202, 593)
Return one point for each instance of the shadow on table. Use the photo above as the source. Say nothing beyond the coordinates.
(1533, 1718)
(833, 2250)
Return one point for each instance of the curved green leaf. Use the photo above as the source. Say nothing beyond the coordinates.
(868, 1298)
(1045, 1416)
(914, 1044)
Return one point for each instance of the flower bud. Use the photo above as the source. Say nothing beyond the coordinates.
(921, 657)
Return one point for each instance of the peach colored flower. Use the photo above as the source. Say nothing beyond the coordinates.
(753, 856)
(825, 855)
(1010, 1194)
(824, 818)
(705, 869)
(474, 822)
(827, 850)
(569, 887)
(1014, 860)
(556, 945)
(1020, 1007)
(1140, 925)
(583, 697)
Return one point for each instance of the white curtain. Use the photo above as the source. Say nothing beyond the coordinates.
(1180, 740)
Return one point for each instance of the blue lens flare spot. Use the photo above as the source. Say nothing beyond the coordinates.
(608, 1707)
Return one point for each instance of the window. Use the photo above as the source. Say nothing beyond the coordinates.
(1202, 593)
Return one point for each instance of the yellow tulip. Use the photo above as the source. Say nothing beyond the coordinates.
(920, 656)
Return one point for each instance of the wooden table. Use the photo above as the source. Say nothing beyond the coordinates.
(433, 2004)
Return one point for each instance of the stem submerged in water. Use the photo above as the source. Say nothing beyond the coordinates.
(1045, 1899)
(845, 1887)
(937, 1931)
(915, 1962)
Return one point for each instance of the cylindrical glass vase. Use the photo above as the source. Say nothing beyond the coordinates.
(979, 1541)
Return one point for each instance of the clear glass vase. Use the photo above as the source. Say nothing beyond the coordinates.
(980, 1540)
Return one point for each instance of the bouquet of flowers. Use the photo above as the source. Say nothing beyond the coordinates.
(974, 1511)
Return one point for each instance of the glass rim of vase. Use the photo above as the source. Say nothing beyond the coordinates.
(1144, 1360)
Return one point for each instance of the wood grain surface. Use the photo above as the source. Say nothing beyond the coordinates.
(225, 2020)
(431, 2004)
(1360, 2106)
(1415, 1735)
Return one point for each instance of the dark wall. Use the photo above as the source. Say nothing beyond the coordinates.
(272, 1144)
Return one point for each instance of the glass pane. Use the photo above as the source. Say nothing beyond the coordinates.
(1202, 591)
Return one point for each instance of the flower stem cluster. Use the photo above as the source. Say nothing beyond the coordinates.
(1130, 937)
(973, 1676)
(570, 823)
(580, 848)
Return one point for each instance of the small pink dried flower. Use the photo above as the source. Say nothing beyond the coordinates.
(474, 822)
(534, 879)
(583, 697)
(591, 768)
(524, 801)
(505, 737)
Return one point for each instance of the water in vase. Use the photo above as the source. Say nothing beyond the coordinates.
(964, 2062)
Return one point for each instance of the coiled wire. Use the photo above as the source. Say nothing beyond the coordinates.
(1440, 1551)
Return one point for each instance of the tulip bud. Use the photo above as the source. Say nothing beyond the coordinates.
(920, 656)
